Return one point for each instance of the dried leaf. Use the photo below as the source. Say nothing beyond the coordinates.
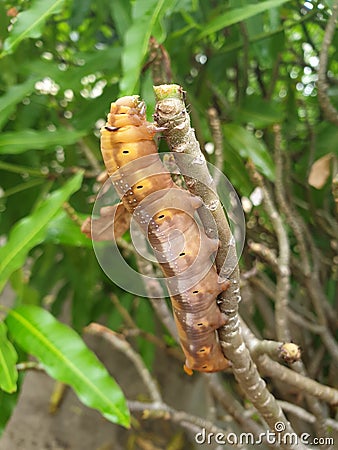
(320, 171)
(113, 222)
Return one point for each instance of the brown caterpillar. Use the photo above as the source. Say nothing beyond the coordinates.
(165, 212)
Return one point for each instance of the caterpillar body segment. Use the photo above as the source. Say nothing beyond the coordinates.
(165, 213)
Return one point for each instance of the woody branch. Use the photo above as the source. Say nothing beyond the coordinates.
(171, 114)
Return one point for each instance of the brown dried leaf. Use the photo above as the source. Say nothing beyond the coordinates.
(320, 171)
(113, 222)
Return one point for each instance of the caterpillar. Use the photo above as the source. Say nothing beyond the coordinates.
(165, 213)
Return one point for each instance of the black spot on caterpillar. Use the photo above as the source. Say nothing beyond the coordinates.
(128, 138)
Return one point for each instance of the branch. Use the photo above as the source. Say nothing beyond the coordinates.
(118, 342)
(231, 405)
(216, 131)
(91, 158)
(265, 253)
(171, 114)
(72, 214)
(329, 110)
(318, 299)
(157, 297)
(30, 365)
(135, 330)
(304, 384)
(160, 62)
(192, 423)
(305, 415)
(285, 206)
(287, 351)
(57, 396)
(283, 274)
(312, 402)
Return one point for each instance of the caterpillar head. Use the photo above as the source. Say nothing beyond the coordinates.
(130, 104)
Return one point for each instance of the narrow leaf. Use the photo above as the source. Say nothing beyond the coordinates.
(8, 359)
(247, 146)
(67, 359)
(31, 230)
(237, 15)
(21, 141)
(259, 112)
(62, 230)
(146, 15)
(120, 11)
(29, 23)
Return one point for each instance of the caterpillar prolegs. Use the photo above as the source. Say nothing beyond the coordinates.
(165, 213)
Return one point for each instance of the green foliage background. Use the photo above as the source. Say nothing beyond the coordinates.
(63, 62)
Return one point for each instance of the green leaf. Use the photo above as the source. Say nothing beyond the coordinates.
(326, 141)
(13, 96)
(26, 293)
(31, 230)
(62, 230)
(237, 15)
(106, 60)
(234, 169)
(29, 24)
(66, 358)
(8, 359)
(245, 143)
(120, 11)
(8, 403)
(266, 49)
(258, 112)
(145, 320)
(21, 141)
(146, 15)
(80, 10)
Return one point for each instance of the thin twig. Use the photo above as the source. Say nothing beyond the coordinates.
(216, 131)
(231, 405)
(30, 365)
(157, 297)
(306, 385)
(90, 157)
(72, 214)
(160, 62)
(287, 351)
(123, 346)
(329, 110)
(135, 330)
(190, 422)
(264, 284)
(305, 415)
(318, 299)
(286, 374)
(283, 275)
(266, 253)
(285, 206)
